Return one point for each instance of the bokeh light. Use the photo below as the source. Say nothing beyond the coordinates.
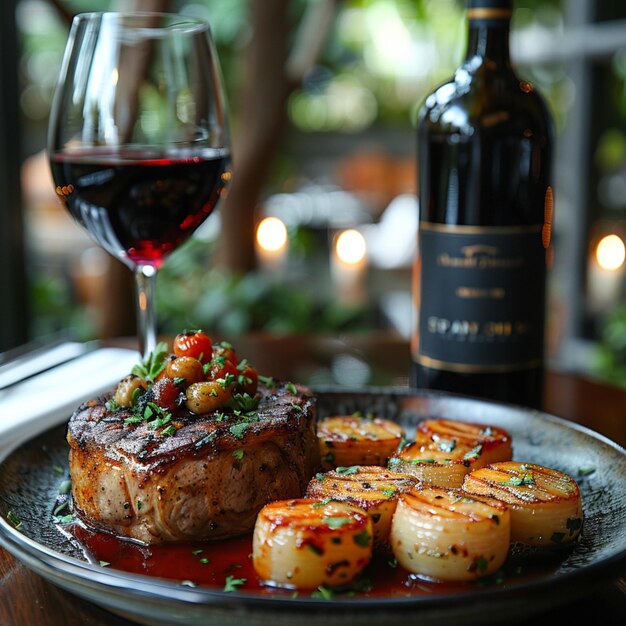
(610, 252)
(271, 234)
(351, 247)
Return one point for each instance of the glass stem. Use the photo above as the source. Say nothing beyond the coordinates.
(145, 279)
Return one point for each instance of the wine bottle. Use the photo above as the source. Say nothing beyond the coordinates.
(484, 149)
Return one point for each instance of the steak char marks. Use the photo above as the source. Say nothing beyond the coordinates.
(206, 481)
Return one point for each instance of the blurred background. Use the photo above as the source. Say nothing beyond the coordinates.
(316, 237)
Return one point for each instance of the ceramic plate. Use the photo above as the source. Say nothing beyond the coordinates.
(29, 483)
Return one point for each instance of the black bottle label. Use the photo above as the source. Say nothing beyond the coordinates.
(481, 298)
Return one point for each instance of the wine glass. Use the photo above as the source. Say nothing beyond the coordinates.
(138, 139)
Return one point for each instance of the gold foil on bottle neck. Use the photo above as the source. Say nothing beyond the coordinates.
(489, 14)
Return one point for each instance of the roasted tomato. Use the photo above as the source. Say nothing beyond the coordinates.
(165, 393)
(194, 343)
(248, 378)
(224, 349)
(185, 367)
(220, 367)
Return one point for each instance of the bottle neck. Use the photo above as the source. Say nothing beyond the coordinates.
(489, 40)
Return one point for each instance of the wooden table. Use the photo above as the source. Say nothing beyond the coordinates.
(28, 600)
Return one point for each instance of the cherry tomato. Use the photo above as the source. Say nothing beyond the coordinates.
(194, 343)
(226, 350)
(220, 367)
(248, 378)
(206, 396)
(185, 367)
(165, 393)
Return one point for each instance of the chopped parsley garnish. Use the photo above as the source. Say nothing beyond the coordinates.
(232, 583)
(111, 405)
(474, 453)
(336, 522)
(363, 539)
(239, 453)
(245, 402)
(65, 487)
(387, 492)
(160, 420)
(346, 471)
(324, 502)
(169, 431)
(446, 445)
(585, 471)
(238, 430)
(104, 564)
(197, 552)
(323, 593)
(13, 519)
(227, 381)
(136, 393)
(65, 519)
(155, 417)
(268, 381)
(60, 507)
(516, 481)
(291, 388)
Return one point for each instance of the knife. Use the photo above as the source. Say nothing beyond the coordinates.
(34, 358)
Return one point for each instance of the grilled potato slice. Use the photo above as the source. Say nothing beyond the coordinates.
(305, 543)
(546, 507)
(373, 488)
(444, 451)
(347, 440)
(449, 535)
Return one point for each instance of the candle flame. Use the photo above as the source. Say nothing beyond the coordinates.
(610, 252)
(350, 247)
(271, 234)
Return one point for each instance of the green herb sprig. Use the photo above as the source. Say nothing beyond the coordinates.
(153, 364)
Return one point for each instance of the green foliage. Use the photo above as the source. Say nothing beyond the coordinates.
(54, 309)
(610, 363)
(190, 294)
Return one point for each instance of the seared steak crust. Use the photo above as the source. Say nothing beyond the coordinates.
(206, 481)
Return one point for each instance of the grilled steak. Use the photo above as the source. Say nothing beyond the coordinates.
(207, 480)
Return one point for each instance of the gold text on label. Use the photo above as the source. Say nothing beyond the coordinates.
(496, 293)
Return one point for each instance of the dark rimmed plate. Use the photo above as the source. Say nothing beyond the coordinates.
(29, 481)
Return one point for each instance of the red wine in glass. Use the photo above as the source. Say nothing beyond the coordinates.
(139, 205)
(138, 138)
